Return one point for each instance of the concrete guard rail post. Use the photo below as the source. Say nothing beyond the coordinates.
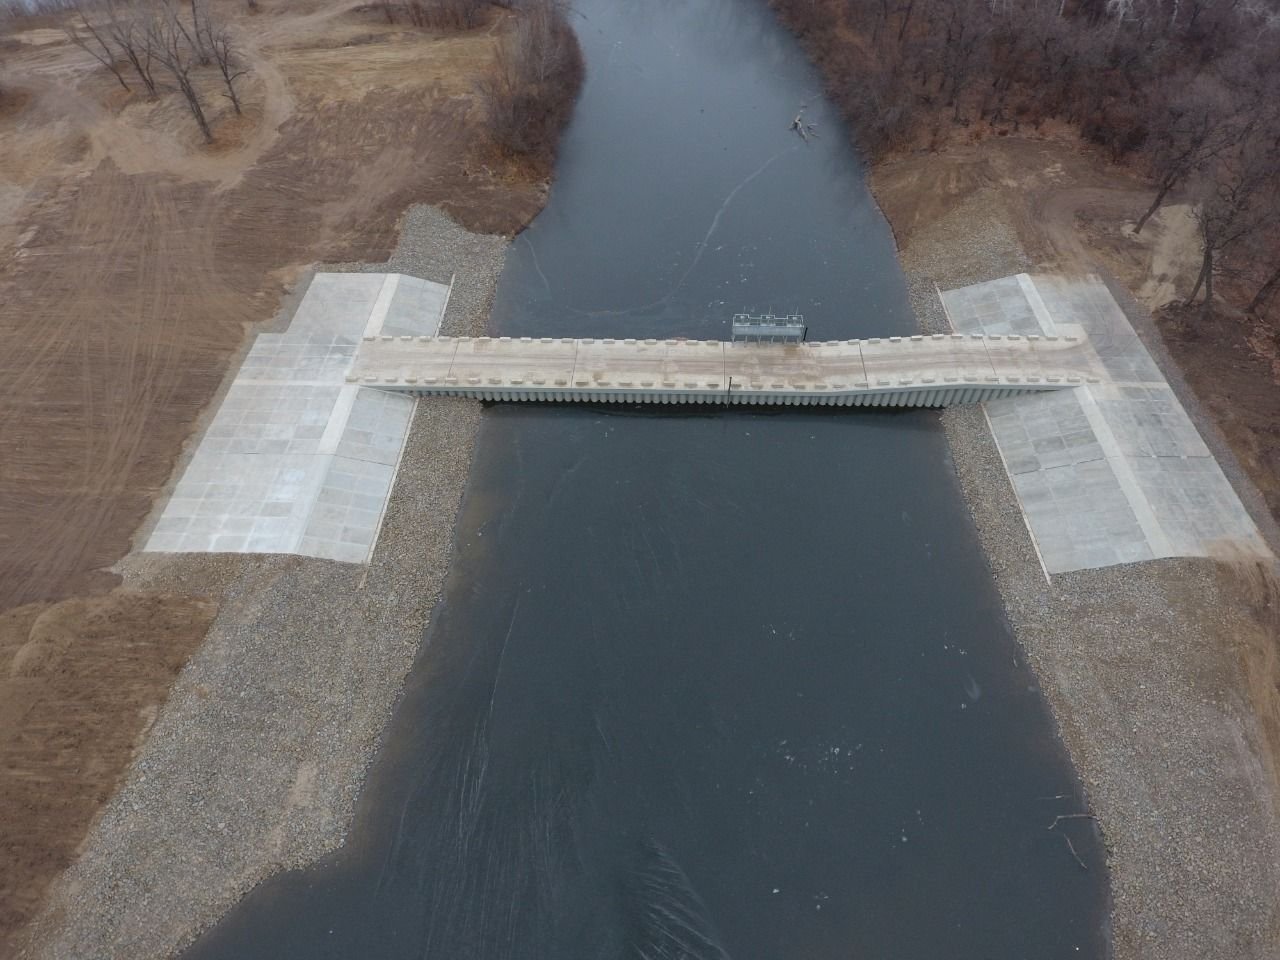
(915, 371)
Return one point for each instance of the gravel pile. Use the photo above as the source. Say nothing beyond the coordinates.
(1139, 665)
(255, 762)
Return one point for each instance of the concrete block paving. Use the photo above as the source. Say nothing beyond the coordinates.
(1111, 472)
(296, 460)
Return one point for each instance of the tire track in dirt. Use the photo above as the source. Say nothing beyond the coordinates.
(142, 270)
(96, 302)
(83, 329)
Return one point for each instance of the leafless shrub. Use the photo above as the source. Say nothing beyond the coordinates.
(172, 46)
(531, 87)
(447, 14)
(93, 41)
(225, 56)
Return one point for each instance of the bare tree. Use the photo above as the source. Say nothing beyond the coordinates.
(967, 32)
(524, 92)
(1265, 292)
(171, 46)
(1192, 129)
(201, 31)
(170, 12)
(132, 38)
(93, 42)
(225, 56)
(1229, 212)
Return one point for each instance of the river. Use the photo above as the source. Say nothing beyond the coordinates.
(717, 683)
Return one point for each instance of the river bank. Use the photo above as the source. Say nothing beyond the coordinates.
(1140, 663)
(138, 260)
(255, 762)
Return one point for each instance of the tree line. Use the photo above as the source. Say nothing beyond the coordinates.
(1188, 89)
(526, 95)
(529, 90)
(147, 41)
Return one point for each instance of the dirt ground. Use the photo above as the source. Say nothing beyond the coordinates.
(136, 260)
(135, 257)
(78, 682)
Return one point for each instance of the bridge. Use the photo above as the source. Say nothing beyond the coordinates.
(913, 371)
(301, 455)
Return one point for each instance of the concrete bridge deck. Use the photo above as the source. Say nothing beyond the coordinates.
(914, 371)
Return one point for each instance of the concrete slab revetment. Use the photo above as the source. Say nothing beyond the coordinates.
(296, 459)
(1113, 471)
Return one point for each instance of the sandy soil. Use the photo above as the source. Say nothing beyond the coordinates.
(136, 259)
(1044, 185)
(256, 760)
(1230, 361)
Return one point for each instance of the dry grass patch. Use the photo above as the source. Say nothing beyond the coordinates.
(80, 683)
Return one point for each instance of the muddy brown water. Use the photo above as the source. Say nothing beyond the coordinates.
(705, 683)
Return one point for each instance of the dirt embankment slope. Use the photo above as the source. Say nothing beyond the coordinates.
(136, 259)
